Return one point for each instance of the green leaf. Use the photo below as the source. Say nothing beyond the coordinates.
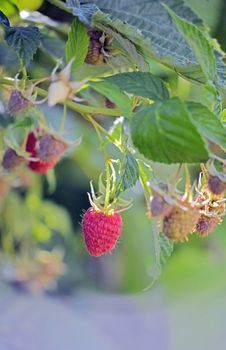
(213, 99)
(27, 122)
(83, 12)
(149, 27)
(208, 125)
(145, 175)
(146, 24)
(114, 94)
(53, 45)
(24, 40)
(114, 65)
(199, 44)
(162, 249)
(136, 59)
(166, 248)
(130, 173)
(4, 20)
(77, 44)
(116, 129)
(163, 132)
(141, 84)
(8, 9)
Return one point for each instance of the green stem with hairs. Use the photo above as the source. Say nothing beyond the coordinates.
(108, 188)
(60, 5)
(100, 128)
(76, 107)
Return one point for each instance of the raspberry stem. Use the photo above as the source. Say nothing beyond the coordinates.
(187, 193)
(60, 5)
(23, 145)
(77, 107)
(108, 187)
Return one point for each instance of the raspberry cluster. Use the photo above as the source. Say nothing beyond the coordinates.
(43, 151)
(181, 217)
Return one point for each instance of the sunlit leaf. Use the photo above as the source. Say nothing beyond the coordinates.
(77, 44)
(141, 84)
(165, 133)
(130, 173)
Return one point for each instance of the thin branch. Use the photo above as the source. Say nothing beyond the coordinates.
(60, 5)
(77, 107)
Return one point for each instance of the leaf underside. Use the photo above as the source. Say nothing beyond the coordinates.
(151, 29)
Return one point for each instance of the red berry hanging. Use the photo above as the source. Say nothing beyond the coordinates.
(102, 223)
(45, 150)
(101, 231)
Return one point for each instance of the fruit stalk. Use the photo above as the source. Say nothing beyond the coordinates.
(76, 107)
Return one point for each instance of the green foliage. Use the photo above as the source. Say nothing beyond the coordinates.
(141, 84)
(77, 44)
(164, 133)
(162, 248)
(7, 8)
(151, 107)
(129, 173)
(166, 248)
(52, 44)
(26, 122)
(24, 40)
(199, 44)
(116, 130)
(207, 123)
(33, 220)
(4, 20)
(149, 27)
(114, 94)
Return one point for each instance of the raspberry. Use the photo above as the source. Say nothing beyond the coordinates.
(11, 160)
(46, 149)
(101, 231)
(159, 206)
(179, 222)
(17, 102)
(95, 34)
(49, 147)
(206, 224)
(95, 55)
(109, 104)
(215, 185)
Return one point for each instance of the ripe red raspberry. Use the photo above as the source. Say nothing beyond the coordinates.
(207, 224)
(45, 149)
(179, 223)
(101, 231)
(11, 160)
